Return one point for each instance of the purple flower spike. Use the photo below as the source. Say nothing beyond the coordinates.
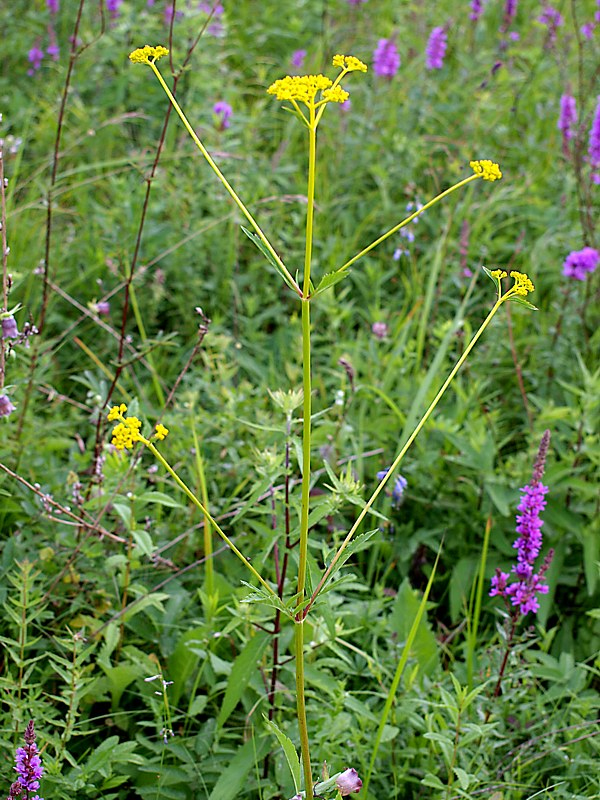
(28, 763)
(223, 111)
(522, 593)
(6, 407)
(579, 262)
(348, 782)
(568, 116)
(386, 58)
(9, 328)
(594, 148)
(476, 10)
(52, 6)
(436, 49)
(35, 57)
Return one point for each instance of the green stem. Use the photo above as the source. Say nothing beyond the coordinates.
(208, 543)
(403, 451)
(204, 510)
(284, 270)
(306, 436)
(404, 222)
(472, 636)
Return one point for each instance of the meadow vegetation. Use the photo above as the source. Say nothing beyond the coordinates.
(299, 446)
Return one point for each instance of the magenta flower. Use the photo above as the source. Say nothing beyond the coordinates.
(113, 6)
(298, 57)
(522, 593)
(436, 49)
(348, 782)
(52, 6)
(28, 765)
(476, 10)
(510, 10)
(587, 30)
(379, 330)
(594, 147)
(579, 262)
(223, 112)
(6, 407)
(35, 56)
(568, 116)
(355, 2)
(386, 58)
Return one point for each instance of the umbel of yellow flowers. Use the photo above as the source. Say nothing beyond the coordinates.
(127, 432)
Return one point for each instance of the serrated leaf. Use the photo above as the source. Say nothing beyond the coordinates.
(289, 751)
(330, 279)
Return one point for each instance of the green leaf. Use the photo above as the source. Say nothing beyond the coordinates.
(522, 302)
(160, 498)
(242, 670)
(289, 751)
(330, 279)
(143, 541)
(232, 780)
(256, 240)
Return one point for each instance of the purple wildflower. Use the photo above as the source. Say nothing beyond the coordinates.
(579, 262)
(103, 308)
(28, 763)
(35, 56)
(112, 6)
(6, 407)
(298, 57)
(355, 2)
(348, 782)
(52, 6)
(436, 48)
(550, 17)
(594, 148)
(9, 328)
(476, 10)
(587, 30)
(208, 8)
(400, 485)
(522, 593)
(223, 111)
(379, 330)
(386, 58)
(568, 116)
(510, 10)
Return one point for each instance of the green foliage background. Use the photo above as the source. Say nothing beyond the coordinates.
(76, 647)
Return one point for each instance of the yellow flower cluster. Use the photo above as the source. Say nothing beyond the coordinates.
(349, 63)
(486, 169)
(161, 431)
(300, 87)
(522, 283)
(143, 54)
(126, 433)
(335, 95)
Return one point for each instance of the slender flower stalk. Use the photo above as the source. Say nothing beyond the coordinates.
(485, 169)
(149, 55)
(125, 435)
(518, 291)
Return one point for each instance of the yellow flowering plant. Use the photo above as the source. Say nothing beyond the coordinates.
(307, 97)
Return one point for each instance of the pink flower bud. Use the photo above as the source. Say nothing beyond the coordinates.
(348, 782)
